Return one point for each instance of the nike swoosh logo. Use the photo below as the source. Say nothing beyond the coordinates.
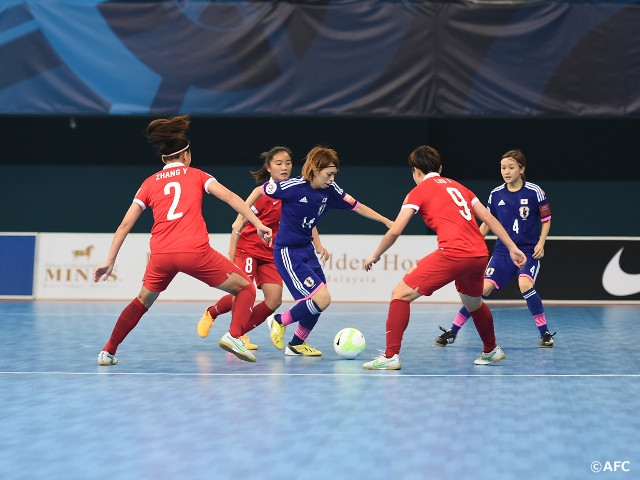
(382, 364)
(239, 346)
(618, 282)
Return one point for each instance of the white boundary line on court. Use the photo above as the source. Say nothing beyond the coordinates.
(370, 373)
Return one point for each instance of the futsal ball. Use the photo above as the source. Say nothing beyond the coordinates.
(348, 343)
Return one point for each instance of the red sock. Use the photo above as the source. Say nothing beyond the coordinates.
(397, 322)
(258, 315)
(241, 310)
(483, 320)
(223, 305)
(127, 321)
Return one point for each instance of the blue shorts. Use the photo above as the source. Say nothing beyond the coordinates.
(300, 270)
(501, 270)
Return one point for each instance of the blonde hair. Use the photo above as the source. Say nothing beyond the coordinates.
(317, 159)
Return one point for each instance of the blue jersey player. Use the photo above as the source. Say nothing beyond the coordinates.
(523, 210)
(305, 200)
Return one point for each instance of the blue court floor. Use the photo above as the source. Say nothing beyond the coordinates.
(179, 407)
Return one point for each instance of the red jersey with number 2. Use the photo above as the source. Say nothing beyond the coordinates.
(175, 195)
(446, 206)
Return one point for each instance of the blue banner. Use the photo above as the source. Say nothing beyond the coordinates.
(402, 58)
(17, 261)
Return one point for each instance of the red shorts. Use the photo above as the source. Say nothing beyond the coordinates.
(258, 269)
(437, 270)
(210, 267)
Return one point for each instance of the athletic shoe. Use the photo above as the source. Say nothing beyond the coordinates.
(247, 342)
(446, 338)
(546, 340)
(105, 358)
(276, 331)
(381, 362)
(494, 356)
(237, 347)
(205, 323)
(303, 349)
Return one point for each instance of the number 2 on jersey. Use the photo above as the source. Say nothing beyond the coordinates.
(459, 200)
(172, 214)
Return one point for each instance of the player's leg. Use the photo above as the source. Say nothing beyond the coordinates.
(470, 284)
(526, 281)
(269, 281)
(397, 321)
(303, 275)
(218, 271)
(210, 314)
(430, 274)
(498, 273)
(157, 276)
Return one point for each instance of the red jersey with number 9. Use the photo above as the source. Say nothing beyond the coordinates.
(175, 194)
(446, 207)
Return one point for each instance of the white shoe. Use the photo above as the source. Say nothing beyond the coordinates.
(381, 362)
(105, 358)
(237, 347)
(494, 356)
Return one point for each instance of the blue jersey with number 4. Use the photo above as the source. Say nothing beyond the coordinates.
(520, 213)
(302, 208)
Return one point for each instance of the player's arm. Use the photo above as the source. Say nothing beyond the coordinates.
(538, 250)
(320, 250)
(234, 201)
(241, 222)
(390, 237)
(496, 227)
(484, 229)
(371, 214)
(130, 218)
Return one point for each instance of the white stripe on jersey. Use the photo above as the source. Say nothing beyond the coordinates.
(410, 205)
(535, 188)
(286, 260)
(291, 182)
(337, 188)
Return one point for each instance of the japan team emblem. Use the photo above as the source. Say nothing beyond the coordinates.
(309, 282)
(524, 212)
(270, 188)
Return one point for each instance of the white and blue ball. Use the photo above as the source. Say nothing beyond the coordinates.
(349, 343)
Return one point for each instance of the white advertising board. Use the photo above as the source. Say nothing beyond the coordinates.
(65, 264)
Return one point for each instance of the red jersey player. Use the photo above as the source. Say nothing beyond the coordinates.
(252, 255)
(450, 209)
(179, 238)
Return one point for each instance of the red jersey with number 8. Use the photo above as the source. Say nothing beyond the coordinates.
(175, 195)
(446, 206)
(268, 210)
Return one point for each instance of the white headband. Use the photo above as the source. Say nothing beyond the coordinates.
(176, 153)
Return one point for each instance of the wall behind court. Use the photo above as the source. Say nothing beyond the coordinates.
(65, 174)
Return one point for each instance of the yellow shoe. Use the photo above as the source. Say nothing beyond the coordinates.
(248, 344)
(303, 349)
(205, 323)
(276, 331)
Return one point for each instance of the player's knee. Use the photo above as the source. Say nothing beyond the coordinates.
(322, 298)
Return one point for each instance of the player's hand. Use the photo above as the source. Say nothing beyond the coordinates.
(102, 272)
(538, 251)
(322, 253)
(265, 234)
(519, 258)
(368, 263)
